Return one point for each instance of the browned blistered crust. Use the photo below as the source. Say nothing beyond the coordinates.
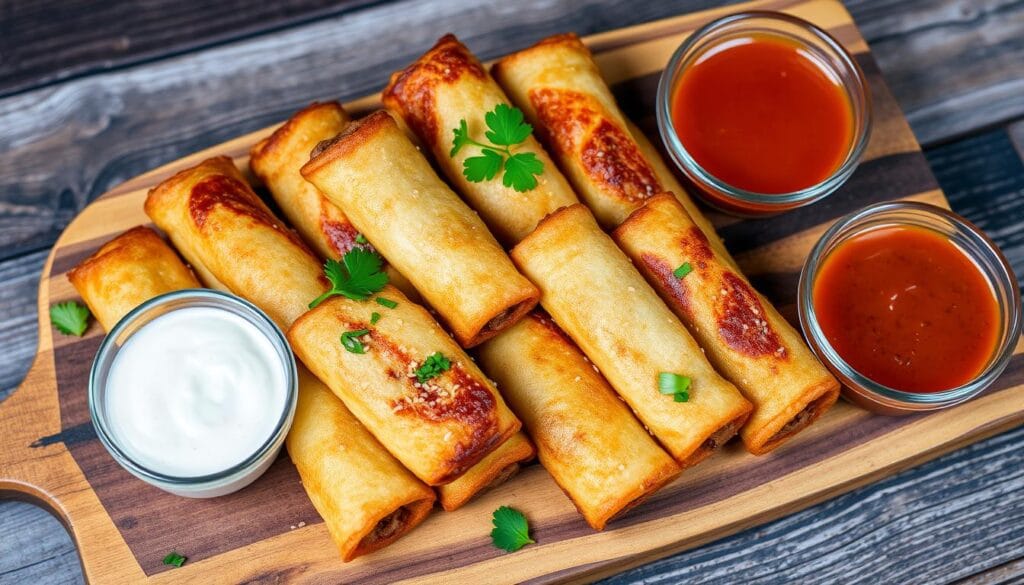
(275, 141)
(411, 91)
(353, 137)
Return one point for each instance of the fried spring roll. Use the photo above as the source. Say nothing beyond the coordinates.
(211, 212)
(391, 194)
(586, 437)
(495, 469)
(613, 167)
(276, 161)
(217, 222)
(127, 271)
(596, 296)
(367, 499)
(438, 427)
(746, 339)
(446, 86)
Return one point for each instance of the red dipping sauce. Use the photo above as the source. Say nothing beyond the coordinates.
(906, 308)
(763, 114)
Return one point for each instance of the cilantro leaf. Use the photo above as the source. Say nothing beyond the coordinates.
(70, 318)
(505, 125)
(675, 385)
(482, 168)
(520, 170)
(357, 276)
(505, 130)
(511, 531)
(461, 138)
(175, 560)
(683, 270)
(432, 367)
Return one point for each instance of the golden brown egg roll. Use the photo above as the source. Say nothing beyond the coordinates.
(611, 164)
(437, 427)
(276, 161)
(586, 437)
(367, 499)
(495, 469)
(127, 271)
(447, 85)
(746, 339)
(391, 194)
(595, 295)
(228, 231)
(216, 221)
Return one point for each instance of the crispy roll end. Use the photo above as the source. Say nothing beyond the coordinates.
(127, 271)
(495, 469)
(744, 336)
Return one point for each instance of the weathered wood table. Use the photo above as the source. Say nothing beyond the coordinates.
(94, 93)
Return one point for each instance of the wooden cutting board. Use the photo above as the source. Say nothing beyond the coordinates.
(269, 532)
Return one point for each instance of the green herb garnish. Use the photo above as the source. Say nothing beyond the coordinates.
(357, 277)
(683, 270)
(435, 365)
(511, 531)
(175, 560)
(70, 318)
(374, 317)
(674, 384)
(505, 129)
(361, 239)
(386, 302)
(350, 341)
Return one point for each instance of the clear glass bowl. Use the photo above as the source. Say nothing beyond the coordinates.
(971, 241)
(817, 43)
(215, 484)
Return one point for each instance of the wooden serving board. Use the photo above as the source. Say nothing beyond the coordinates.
(269, 532)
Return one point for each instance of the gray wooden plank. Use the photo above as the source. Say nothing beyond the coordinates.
(65, 144)
(32, 534)
(955, 66)
(45, 41)
(19, 283)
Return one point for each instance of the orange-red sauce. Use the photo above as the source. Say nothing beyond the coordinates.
(761, 114)
(906, 308)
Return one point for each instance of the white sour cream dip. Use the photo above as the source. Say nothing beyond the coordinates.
(195, 391)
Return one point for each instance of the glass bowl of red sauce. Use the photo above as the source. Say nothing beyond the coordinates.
(763, 112)
(912, 307)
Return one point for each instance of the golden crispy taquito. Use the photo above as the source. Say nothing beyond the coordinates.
(127, 271)
(586, 437)
(433, 96)
(391, 194)
(276, 161)
(595, 295)
(746, 339)
(493, 470)
(438, 425)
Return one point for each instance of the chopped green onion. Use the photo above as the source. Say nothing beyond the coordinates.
(435, 365)
(374, 318)
(674, 384)
(350, 342)
(386, 302)
(683, 270)
(175, 560)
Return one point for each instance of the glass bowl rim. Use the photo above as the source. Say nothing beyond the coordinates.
(824, 350)
(251, 313)
(682, 157)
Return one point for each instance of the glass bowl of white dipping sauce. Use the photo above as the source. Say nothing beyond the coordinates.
(193, 392)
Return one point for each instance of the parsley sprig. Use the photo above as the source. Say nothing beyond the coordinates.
(432, 367)
(511, 530)
(675, 385)
(357, 276)
(70, 318)
(505, 130)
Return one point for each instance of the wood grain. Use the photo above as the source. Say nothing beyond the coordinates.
(841, 452)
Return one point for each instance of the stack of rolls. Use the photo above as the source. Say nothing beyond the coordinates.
(276, 161)
(366, 497)
(210, 211)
